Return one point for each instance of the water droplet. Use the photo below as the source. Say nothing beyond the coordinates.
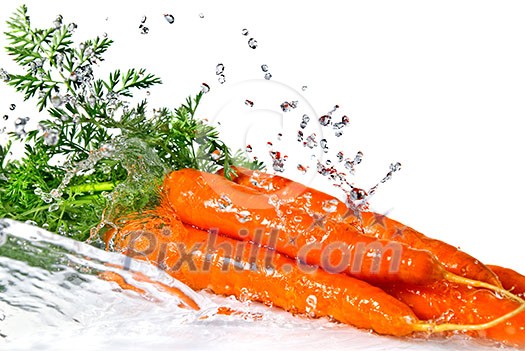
(201, 15)
(30, 222)
(46, 198)
(304, 87)
(249, 148)
(394, 167)
(252, 43)
(288, 106)
(58, 21)
(325, 120)
(304, 121)
(143, 29)
(5, 117)
(91, 99)
(324, 145)
(4, 75)
(330, 206)
(169, 18)
(278, 161)
(12, 107)
(88, 52)
(37, 191)
(349, 164)
(222, 79)
(53, 207)
(143, 19)
(264, 68)
(215, 155)
(20, 124)
(245, 31)
(345, 120)
(71, 27)
(301, 169)
(51, 137)
(300, 135)
(243, 216)
(268, 76)
(310, 141)
(205, 88)
(249, 103)
(224, 202)
(56, 101)
(340, 156)
(279, 136)
(358, 158)
(338, 125)
(311, 305)
(357, 194)
(219, 69)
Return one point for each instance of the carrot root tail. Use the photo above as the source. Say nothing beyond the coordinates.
(438, 328)
(479, 284)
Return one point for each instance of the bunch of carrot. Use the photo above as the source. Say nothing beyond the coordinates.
(266, 238)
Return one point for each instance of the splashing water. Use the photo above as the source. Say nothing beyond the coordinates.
(52, 298)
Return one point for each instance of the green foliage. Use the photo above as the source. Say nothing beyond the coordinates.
(93, 154)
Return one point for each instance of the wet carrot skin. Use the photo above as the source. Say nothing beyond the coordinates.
(510, 279)
(211, 201)
(370, 223)
(248, 276)
(454, 303)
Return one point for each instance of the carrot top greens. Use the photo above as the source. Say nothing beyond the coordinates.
(92, 141)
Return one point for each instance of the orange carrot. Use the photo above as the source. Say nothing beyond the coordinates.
(454, 303)
(249, 272)
(510, 279)
(370, 223)
(229, 267)
(211, 201)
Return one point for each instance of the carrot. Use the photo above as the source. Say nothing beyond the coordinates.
(211, 201)
(459, 304)
(510, 279)
(226, 266)
(370, 223)
(244, 271)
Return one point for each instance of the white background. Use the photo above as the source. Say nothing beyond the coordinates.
(436, 85)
